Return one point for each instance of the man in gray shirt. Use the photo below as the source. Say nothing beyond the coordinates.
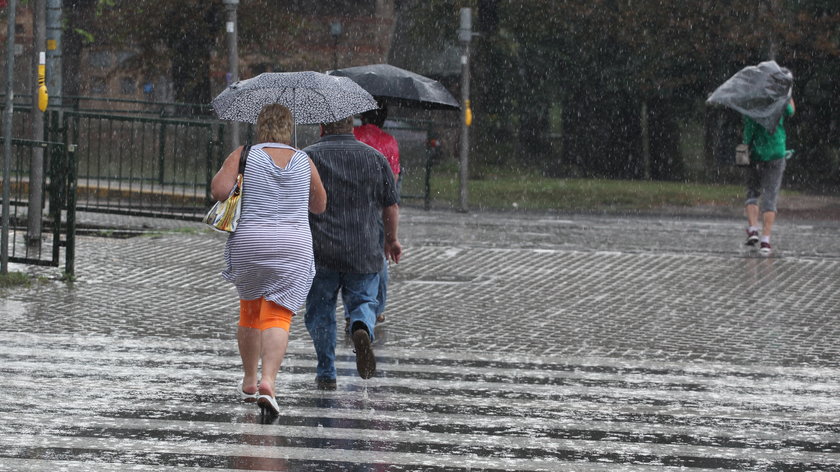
(361, 196)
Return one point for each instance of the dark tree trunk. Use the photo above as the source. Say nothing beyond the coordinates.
(812, 134)
(602, 135)
(666, 161)
(534, 142)
(491, 103)
(77, 14)
(191, 41)
(723, 132)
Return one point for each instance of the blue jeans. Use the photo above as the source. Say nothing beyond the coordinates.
(358, 293)
(382, 295)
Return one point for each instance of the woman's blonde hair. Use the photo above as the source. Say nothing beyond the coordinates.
(274, 125)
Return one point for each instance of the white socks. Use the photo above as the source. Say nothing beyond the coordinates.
(764, 239)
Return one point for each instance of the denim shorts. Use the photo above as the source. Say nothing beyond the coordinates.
(764, 181)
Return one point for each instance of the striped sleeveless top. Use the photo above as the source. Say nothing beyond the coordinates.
(270, 254)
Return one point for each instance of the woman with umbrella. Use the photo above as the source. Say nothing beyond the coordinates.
(269, 258)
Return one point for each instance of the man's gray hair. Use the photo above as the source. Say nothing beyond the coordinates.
(343, 126)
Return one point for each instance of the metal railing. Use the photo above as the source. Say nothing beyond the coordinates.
(144, 166)
(59, 219)
(134, 158)
(162, 167)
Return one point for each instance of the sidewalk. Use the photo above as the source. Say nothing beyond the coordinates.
(549, 271)
(516, 342)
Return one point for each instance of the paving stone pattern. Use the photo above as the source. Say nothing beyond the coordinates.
(513, 342)
(605, 286)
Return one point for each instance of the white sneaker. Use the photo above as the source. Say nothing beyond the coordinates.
(765, 249)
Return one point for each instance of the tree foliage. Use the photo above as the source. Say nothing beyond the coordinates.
(613, 65)
(174, 39)
(615, 78)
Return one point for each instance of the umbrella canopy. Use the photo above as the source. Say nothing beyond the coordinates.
(396, 86)
(760, 92)
(312, 97)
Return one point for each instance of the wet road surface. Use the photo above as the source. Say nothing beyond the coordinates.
(513, 342)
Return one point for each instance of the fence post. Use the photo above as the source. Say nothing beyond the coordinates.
(212, 145)
(427, 178)
(56, 195)
(161, 144)
(70, 241)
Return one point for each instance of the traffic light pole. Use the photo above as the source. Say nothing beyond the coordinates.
(233, 57)
(36, 163)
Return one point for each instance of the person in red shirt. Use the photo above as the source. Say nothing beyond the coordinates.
(372, 134)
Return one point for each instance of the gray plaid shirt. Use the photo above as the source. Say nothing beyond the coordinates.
(359, 183)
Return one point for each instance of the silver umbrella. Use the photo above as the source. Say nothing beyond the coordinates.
(760, 92)
(312, 97)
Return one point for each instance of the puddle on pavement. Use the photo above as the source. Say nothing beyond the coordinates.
(14, 310)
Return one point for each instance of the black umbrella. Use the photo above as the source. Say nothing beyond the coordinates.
(760, 92)
(312, 97)
(394, 86)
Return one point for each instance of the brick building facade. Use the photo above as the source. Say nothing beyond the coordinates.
(343, 34)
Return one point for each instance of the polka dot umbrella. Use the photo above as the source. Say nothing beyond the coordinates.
(312, 97)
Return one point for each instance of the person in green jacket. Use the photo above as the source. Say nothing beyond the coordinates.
(768, 156)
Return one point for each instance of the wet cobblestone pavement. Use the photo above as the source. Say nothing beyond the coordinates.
(513, 342)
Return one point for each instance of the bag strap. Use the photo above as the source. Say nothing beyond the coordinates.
(243, 157)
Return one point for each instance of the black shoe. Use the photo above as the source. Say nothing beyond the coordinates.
(365, 360)
(322, 383)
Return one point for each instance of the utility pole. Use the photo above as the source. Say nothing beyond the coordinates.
(7, 134)
(233, 57)
(36, 164)
(465, 36)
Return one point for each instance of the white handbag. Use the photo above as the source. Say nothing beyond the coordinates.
(224, 215)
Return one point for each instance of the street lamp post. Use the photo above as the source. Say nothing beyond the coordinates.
(336, 28)
(233, 57)
(465, 36)
(7, 134)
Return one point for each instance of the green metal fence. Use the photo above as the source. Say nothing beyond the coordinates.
(144, 166)
(162, 167)
(136, 158)
(58, 216)
(419, 151)
(139, 164)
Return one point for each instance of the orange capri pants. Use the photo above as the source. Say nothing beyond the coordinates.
(263, 314)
